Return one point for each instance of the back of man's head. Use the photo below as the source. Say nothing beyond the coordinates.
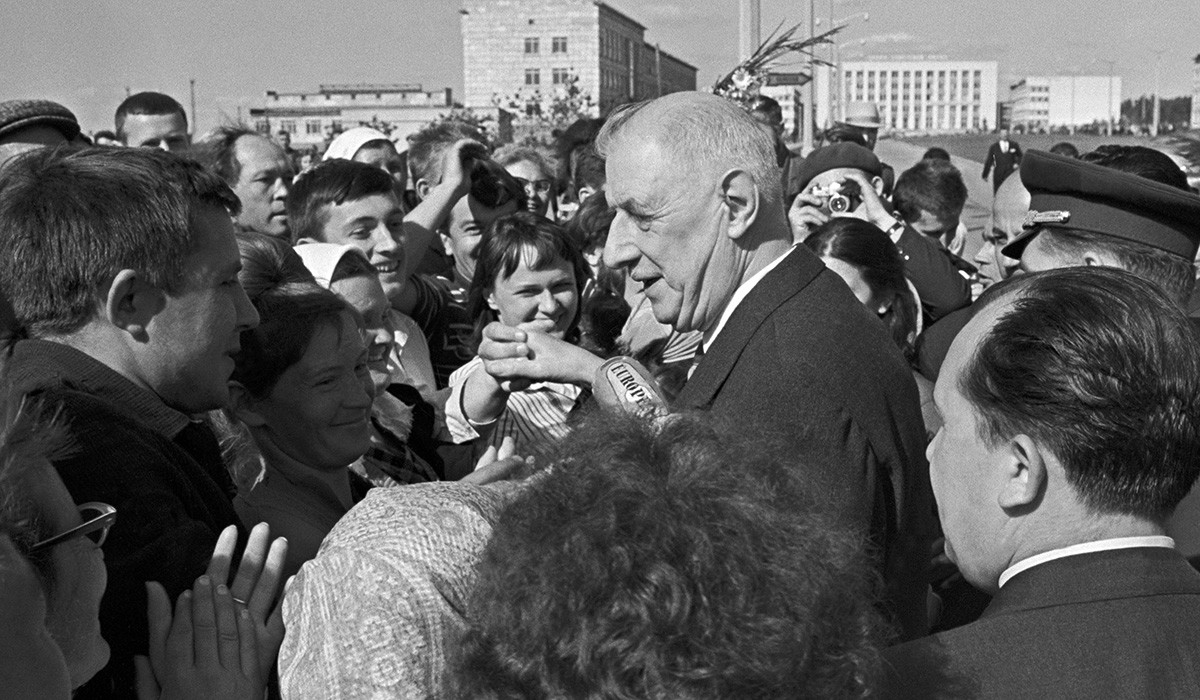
(146, 103)
(1101, 367)
(700, 133)
(1139, 160)
(934, 186)
(330, 183)
(217, 151)
(74, 217)
(427, 147)
(587, 170)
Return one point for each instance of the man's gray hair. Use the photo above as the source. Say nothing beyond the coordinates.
(700, 129)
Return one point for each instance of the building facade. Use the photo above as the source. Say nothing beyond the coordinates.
(313, 117)
(1042, 103)
(516, 51)
(1196, 93)
(916, 95)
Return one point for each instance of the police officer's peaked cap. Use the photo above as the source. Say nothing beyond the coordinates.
(1066, 193)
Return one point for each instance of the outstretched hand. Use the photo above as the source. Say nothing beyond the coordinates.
(222, 639)
(500, 464)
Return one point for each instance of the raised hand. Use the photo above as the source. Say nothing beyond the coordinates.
(256, 583)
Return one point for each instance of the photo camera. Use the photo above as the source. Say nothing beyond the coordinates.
(840, 197)
(493, 187)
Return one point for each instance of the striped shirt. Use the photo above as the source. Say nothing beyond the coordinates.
(533, 417)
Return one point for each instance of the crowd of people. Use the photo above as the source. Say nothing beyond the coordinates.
(667, 411)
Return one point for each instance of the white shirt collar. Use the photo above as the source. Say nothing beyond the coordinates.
(1086, 548)
(738, 295)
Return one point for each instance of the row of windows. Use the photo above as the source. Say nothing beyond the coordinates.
(931, 118)
(972, 78)
(558, 76)
(312, 127)
(615, 47)
(558, 44)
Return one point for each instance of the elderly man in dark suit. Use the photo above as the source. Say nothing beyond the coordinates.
(1072, 430)
(1004, 156)
(700, 224)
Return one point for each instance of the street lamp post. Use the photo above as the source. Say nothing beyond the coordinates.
(1111, 65)
(1157, 66)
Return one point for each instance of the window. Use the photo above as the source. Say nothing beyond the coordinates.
(531, 44)
(560, 76)
(312, 127)
(262, 126)
(558, 44)
(533, 76)
(288, 125)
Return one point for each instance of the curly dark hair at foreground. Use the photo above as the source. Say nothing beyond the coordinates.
(681, 561)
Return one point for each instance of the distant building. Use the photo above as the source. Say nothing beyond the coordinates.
(1050, 102)
(528, 48)
(914, 95)
(1196, 93)
(312, 117)
(787, 90)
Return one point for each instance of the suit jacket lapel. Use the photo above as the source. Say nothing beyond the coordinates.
(792, 275)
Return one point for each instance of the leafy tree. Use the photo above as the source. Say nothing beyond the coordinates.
(538, 115)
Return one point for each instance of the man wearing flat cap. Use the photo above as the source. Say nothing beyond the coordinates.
(1072, 430)
(933, 270)
(28, 124)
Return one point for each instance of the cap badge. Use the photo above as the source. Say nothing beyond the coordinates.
(1034, 218)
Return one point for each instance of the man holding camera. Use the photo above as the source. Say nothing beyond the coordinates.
(845, 179)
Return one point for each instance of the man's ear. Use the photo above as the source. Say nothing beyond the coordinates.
(741, 196)
(491, 302)
(422, 188)
(244, 406)
(132, 302)
(877, 183)
(1025, 476)
(585, 192)
(447, 244)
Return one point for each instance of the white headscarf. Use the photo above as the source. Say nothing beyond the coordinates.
(322, 259)
(348, 142)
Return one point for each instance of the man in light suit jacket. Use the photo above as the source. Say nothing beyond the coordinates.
(1072, 430)
(1004, 156)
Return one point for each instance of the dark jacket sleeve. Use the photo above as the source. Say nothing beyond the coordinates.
(932, 271)
(989, 161)
(169, 514)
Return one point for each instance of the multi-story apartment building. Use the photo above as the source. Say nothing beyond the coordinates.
(519, 50)
(1048, 102)
(914, 95)
(310, 117)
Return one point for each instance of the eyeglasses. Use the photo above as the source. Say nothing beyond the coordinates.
(97, 519)
(539, 186)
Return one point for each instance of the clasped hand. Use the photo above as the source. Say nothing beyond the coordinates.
(516, 358)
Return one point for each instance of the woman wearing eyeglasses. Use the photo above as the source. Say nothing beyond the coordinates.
(219, 640)
(532, 170)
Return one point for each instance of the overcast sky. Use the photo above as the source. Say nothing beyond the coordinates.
(86, 54)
